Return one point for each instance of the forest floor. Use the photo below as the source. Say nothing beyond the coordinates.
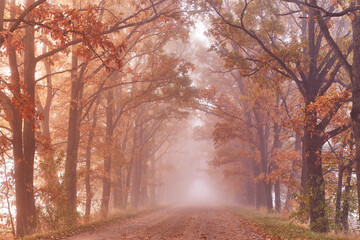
(177, 223)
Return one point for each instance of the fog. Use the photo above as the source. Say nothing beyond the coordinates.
(201, 191)
(115, 106)
(189, 180)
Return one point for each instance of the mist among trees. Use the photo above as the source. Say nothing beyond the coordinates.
(110, 106)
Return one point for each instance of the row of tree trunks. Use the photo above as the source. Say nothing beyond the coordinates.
(23, 119)
(312, 81)
(263, 189)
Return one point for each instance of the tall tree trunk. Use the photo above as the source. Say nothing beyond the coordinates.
(354, 74)
(2, 12)
(131, 168)
(73, 137)
(16, 123)
(254, 195)
(137, 171)
(277, 196)
(152, 181)
(289, 194)
(127, 186)
(250, 185)
(355, 84)
(121, 187)
(28, 222)
(276, 148)
(345, 210)
(118, 189)
(107, 162)
(315, 185)
(268, 195)
(144, 184)
(136, 182)
(250, 193)
(338, 197)
(304, 180)
(266, 168)
(258, 189)
(70, 176)
(20, 185)
(263, 134)
(88, 163)
(49, 167)
(304, 175)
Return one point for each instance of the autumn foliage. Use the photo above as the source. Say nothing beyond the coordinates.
(92, 94)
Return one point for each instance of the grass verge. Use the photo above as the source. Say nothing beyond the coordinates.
(276, 227)
(67, 232)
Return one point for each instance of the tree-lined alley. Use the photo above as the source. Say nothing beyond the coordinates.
(96, 97)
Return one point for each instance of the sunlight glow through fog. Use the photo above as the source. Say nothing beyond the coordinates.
(201, 192)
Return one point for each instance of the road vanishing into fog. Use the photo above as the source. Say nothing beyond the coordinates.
(177, 223)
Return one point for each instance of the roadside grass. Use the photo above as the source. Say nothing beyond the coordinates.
(81, 228)
(274, 226)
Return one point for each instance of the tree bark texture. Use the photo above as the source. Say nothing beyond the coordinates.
(346, 203)
(338, 197)
(89, 194)
(315, 185)
(24, 138)
(70, 176)
(355, 112)
(107, 162)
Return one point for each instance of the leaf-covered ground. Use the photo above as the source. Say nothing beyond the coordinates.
(277, 227)
(178, 223)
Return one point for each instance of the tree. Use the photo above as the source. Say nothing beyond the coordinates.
(313, 73)
(348, 9)
(61, 27)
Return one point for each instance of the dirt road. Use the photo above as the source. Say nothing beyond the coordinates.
(177, 223)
